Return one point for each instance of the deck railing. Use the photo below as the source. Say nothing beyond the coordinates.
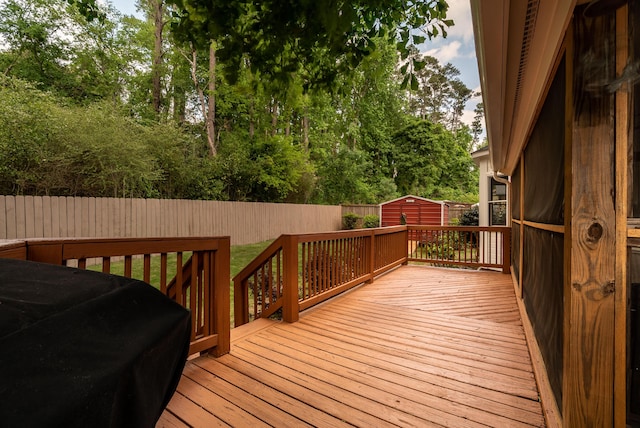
(298, 271)
(192, 271)
(461, 246)
(294, 273)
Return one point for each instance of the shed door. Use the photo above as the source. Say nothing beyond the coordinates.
(412, 212)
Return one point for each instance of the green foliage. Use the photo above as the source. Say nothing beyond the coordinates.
(350, 220)
(433, 162)
(343, 178)
(328, 37)
(371, 220)
(77, 117)
(442, 246)
(470, 217)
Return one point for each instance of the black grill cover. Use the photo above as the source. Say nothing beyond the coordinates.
(85, 349)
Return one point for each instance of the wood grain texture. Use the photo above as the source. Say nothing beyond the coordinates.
(589, 335)
(418, 347)
(623, 148)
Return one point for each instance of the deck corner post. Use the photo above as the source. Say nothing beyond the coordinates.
(240, 302)
(371, 265)
(406, 245)
(290, 306)
(222, 311)
(506, 250)
(49, 251)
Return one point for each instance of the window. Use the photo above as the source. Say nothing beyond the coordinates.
(497, 203)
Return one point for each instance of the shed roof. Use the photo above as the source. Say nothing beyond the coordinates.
(414, 197)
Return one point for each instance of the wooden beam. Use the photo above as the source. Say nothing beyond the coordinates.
(623, 128)
(522, 217)
(588, 373)
(290, 309)
(568, 192)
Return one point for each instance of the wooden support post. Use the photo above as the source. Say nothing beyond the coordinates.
(506, 250)
(371, 255)
(406, 245)
(240, 302)
(221, 297)
(522, 217)
(290, 308)
(45, 251)
(623, 127)
(587, 398)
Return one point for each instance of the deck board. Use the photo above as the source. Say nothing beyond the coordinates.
(418, 347)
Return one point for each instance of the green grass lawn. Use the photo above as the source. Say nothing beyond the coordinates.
(241, 255)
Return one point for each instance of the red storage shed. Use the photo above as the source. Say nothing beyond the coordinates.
(415, 210)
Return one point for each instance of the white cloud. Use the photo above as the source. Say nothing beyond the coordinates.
(460, 12)
(467, 117)
(446, 53)
(477, 99)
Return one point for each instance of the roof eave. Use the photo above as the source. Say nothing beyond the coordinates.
(514, 70)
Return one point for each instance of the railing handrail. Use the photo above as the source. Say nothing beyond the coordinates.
(14, 249)
(460, 228)
(76, 248)
(319, 236)
(260, 259)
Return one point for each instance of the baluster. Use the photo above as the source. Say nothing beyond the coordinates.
(163, 273)
(147, 268)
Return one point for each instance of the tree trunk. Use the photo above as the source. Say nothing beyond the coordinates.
(305, 130)
(179, 102)
(252, 124)
(207, 106)
(210, 118)
(274, 117)
(157, 9)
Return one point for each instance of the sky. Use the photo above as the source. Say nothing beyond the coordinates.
(458, 48)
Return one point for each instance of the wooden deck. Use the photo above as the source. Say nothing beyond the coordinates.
(419, 347)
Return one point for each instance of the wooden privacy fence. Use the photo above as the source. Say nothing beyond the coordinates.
(298, 271)
(192, 271)
(27, 217)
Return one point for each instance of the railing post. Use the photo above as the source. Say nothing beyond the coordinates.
(506, 250)
(221, 298)
(240, 302)
(45, 251)
(290, 305)
(406, 245)
(371, 256)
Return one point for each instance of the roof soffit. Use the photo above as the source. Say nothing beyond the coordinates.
(526, 67)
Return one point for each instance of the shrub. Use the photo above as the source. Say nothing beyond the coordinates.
(470, 217)
(370, 221)
(349, 220)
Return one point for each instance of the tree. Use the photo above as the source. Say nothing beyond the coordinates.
(433, 162)
(34, 32)
(440, 95)
(157, 12)
(478, 124)
(280, 36)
